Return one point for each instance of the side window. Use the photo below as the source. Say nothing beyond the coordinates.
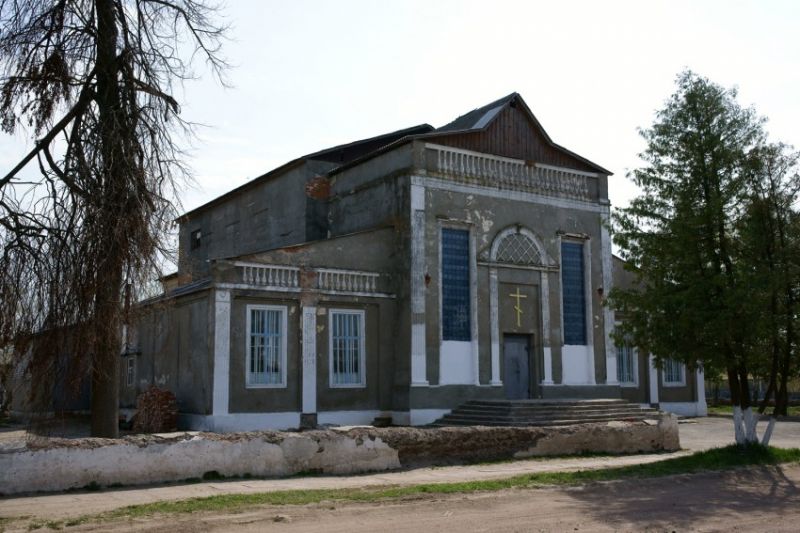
(455, 285)
(347, 348)
(626, 365)
(674, 373)
(195, 239)
(130, 371)
(266, 346)
(573, 293)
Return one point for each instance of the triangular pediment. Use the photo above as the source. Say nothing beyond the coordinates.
(508, 128)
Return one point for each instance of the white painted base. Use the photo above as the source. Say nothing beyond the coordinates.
(240, 421)
(347, 418)
(685, 408)
(456, 364)
(420, 417)
(291, 420)
(577, 363)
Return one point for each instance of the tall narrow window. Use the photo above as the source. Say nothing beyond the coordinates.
(674, 373)
(626, 367)
(347, 358)
(266, 346)
(573, 295)
(455, 285)
(130, 372)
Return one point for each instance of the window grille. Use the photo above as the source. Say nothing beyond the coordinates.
(673, 372)
(573, 295)
(347, 348)
(518, 249)
(266, 347)
(455, 285)
(625, 364)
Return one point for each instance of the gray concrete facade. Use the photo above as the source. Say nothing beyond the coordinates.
(362, 240)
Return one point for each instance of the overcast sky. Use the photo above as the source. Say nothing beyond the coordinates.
(312, 74)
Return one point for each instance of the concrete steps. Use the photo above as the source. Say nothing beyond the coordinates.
(544, 412)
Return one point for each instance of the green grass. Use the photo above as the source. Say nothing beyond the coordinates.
(711, 460)
(793, 410)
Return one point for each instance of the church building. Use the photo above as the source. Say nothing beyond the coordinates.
(398, 277)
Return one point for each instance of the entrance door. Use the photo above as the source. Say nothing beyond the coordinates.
(516, 359)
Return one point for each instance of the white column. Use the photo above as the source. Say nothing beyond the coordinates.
(309, 360)
(544, 290)
(702, 406)
(494, 325)
(473, 289)
(608, 282)
(653, 379)
(222, 352)
(418, 348)
(589, 296)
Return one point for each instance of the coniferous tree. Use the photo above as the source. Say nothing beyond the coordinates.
(700, 238)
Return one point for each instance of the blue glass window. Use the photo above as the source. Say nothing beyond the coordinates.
(455, 285)
(572, 289)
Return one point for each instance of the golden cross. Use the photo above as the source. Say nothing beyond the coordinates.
(517, 307)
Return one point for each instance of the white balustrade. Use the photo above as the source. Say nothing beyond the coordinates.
(507, 173)
(347, 280)
(327, 279)
(270, 275)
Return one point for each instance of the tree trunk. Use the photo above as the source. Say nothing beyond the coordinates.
(106, 357)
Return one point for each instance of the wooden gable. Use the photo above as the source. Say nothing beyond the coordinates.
(514, 132)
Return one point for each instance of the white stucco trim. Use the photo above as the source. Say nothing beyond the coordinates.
(547, 353)
(222, 348)
(417, 287)
(576, 364)
(421, 417)
(608, 312)
(653, 379)
(284, 311)
(348, 418)
(702, 406)
(309, 332)
(473, 290)
(494, 327)
(548, 365)
(240, 421)
(565, 203)
(295, 290)
(456, 363)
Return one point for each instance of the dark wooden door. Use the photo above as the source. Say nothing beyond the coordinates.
(516, 359)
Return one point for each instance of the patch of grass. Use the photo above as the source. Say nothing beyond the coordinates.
(711, 460)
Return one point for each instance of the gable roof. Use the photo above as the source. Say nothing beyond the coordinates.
(481, 118)
(341, 154)
(476, 121)
(353, 153)
(478, 118)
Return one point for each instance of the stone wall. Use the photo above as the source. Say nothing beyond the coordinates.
(60, 464)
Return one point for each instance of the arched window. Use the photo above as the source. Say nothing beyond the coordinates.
(517, 246)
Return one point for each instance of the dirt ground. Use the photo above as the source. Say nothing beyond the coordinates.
(766, 499)
(762, 499)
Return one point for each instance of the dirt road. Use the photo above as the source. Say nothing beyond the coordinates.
(766, 499)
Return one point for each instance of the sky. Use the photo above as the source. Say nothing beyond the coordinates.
(309, 74)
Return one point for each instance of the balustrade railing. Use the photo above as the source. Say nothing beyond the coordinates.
(270, 275)
(325, 279)
(505, 173)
